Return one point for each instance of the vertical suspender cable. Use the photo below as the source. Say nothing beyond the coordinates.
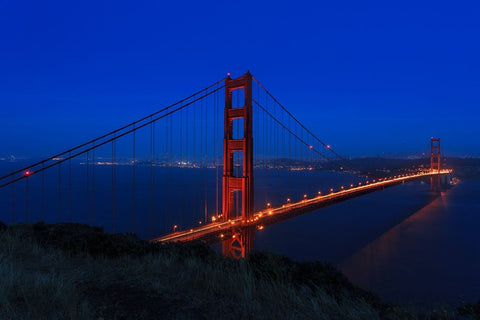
(206, 159)
(202, 114)
(264, 151)
(165, 180)
(70, 188)
(304, 161)
(201, 124)
(187, 161)
(152, 181)
(256, 145)
(172, 159)
(289, 155)
(43, 193)
(194, 152)
(133, 180)
(296, 150)
(59, 191)
(282, 145)
(182, 173)
(275, 137)
(215, 149)
(113, 186)
(93, 187)
(26, 199)
(87, 194)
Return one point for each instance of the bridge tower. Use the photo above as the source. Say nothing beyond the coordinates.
(241, 241)
(435, 181)
(435, 154)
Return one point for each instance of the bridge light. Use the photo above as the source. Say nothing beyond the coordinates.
(191, 230)
(233, 237)
(269, 204)
(351, 186)
(341, 187)
(199, 222)
(270, 212)
(311, 147)
(214, 219)
(27, 173)
(319, 192)
(175, 227)
(288, 200)
(331, 190)
(328, 146)
(221, 235)
(359, 183)
(260, 227)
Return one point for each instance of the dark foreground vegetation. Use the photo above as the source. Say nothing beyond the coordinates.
(72, 271)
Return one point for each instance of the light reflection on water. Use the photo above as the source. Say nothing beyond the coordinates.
(405, 243)
(432, 256)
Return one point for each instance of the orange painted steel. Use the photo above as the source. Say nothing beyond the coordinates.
(243, 241)
(435, 157)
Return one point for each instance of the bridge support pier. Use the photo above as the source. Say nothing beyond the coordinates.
(240, 243)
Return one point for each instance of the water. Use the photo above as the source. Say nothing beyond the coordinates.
(432, 256)
(165, 197)
(406, 243)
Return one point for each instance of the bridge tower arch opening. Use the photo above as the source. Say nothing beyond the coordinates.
(241, 242)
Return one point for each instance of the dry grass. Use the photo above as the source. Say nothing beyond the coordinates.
(45, 275)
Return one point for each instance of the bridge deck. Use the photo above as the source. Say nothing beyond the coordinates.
(215, 231)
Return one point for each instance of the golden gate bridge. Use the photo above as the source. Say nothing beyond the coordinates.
(192, 172)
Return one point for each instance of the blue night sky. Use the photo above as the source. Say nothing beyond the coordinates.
(369, 78)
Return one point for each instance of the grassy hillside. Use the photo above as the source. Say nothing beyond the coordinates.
(72, 271)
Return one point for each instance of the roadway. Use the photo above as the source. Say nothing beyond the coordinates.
(217, 230)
